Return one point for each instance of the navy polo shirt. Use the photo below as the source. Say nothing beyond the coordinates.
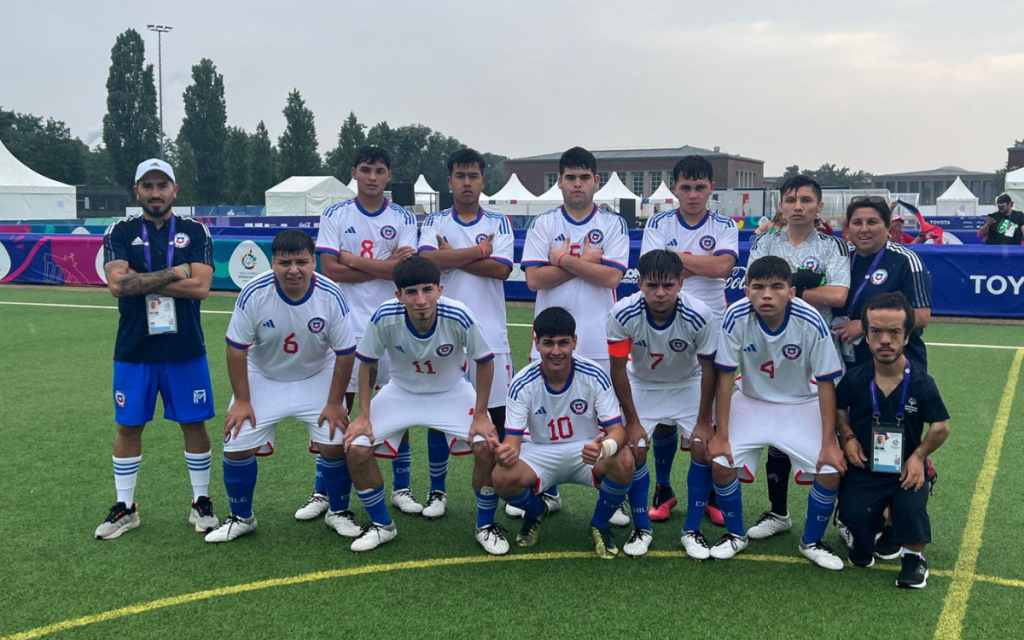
(899, 269)
(924, 406)
(192, 243)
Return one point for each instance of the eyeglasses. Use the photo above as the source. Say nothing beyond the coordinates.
(871, 199)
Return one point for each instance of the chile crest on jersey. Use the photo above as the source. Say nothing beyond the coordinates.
(595, 236)
(708, 243)
(316, 325)
(791, 351)
(388, 232)
(678, 345)
(445, 350)
(578, 406)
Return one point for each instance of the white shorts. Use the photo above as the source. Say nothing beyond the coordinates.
(675, 407)
(794, 429)
(275, 400)
(503, 374)
(383, 372)
(395, 410)
(557, 463)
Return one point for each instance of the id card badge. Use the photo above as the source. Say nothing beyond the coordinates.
(1010, 229)
(887, 448)
(161, 316)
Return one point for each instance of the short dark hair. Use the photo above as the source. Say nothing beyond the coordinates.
(872, 202)
(415, 270)
(371, 155)
(466, 157)
(553, 322)
(693, 168)
(575, 158)
(660, 264)
(293, 241)
(892, 300)
(770, 268)
(796, 183)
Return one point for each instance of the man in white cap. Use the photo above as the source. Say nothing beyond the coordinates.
(159, 266)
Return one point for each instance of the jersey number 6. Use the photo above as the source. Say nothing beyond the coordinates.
(290, 346)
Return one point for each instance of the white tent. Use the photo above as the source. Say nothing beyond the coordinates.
(554, 194)
(514, 190)
(1015, 188)
(957, 201)
(306, 195)
(353, 185)
(614, 190)
(663, 195)
(426, 195)
(26, 195)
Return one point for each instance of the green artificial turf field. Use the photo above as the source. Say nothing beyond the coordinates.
(292, 579)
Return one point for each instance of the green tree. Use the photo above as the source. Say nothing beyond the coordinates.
(205, 129)
(495, 171)
(830, 175)
(98, 170)
(131, 130)
(236, 164)
(261, 165)
(298, 145)
(46, 147)
(792, 171)
(186, 172)
(350, 138)
(379, 135)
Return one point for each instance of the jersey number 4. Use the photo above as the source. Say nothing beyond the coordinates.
(562, 429)
(769, 368)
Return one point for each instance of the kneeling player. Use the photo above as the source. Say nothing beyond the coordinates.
(780, 342)
(576, 433)
(290, 354)
(427, 338)
(668, 339)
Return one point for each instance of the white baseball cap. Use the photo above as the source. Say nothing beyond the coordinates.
(153, 164)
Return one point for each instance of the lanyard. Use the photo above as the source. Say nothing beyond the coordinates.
(146, 250)
(864, 282)
(903, 398)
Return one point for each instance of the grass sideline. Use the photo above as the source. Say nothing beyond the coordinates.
(55, 390)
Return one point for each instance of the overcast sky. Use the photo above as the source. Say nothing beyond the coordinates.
(890, 86)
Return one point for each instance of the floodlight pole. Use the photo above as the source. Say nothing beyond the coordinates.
(160, 31)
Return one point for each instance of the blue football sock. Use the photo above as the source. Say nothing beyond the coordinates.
(612, 495)
(664, 446)
(552, 490)
(730, 501)
(698, 490)
(528, 502)
(437, 454)
(401, 467)
(240, 482)
(820, 503)
(319, 485)
(486, 505)
(376, 507)
(638, 493)
(337, 482)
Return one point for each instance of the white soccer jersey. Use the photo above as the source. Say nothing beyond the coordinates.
(484, 296)
(289, 340)
(663, 357)
(821, 253)
(588, 303)
(346, 226)
(430, 362)
(580, 412)
(715, 235)
(777, 365)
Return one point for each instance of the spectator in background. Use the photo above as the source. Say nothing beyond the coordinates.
(896, 233)
(1005, 225)
(774, 225)
(822, 225)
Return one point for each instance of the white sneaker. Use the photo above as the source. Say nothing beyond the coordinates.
(845, 534)
(201, 515)
(513, 512)
(492, 539)
(344, 523)
(639, 542)
(119, 519)
(768, 525)
(232, 528)
(373, 535)
(695, 545)
(406, 502)
(620, 518)
(554, 502)
(822, 555)
(436, 503)
(728, 546)
(313, 508)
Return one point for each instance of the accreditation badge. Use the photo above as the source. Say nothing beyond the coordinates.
(887, 448)
(160, 315)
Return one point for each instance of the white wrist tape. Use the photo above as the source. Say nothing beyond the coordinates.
(608, 449)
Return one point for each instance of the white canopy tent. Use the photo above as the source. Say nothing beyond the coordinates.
(353, 185)
(306, 195)
(614, 190)
(26, 195)
(514, 190)
(426, 195)
(663, 195)
(554, 194)
(1015, 188)
(958, 200)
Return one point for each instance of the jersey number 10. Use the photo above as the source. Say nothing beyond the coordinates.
(562, 429)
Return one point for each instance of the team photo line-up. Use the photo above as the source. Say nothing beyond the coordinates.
(827, 338)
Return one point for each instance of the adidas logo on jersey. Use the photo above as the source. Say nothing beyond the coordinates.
(560, 238)
(673, 243)
(641, 343)
(399, 348)
(137, 241)
(350, 230)
(541, 412)
(750, 348)
(269, 324)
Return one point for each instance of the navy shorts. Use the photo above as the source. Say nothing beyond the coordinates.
(184, 386)
(863, 498)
